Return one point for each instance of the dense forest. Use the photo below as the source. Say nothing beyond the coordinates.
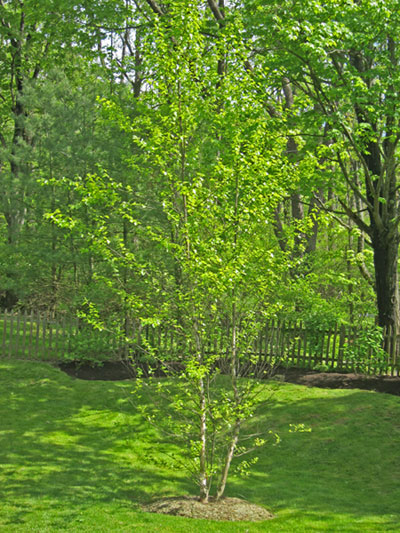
(198, 161)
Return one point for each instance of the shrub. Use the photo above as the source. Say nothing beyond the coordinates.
(366, 352)
(90, 346)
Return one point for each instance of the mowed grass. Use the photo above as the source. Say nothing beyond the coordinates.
(76, 456)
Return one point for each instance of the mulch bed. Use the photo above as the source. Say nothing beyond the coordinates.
(120, 370)
(334, 380)
(108, 371)
(228, 509)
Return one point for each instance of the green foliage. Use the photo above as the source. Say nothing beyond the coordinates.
(90, 346)
(162, 205)
(322, 367)
(366, 351)
(219, 175)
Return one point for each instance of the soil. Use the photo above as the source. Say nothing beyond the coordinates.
(108, 371)
(120, 370)
(229, 509)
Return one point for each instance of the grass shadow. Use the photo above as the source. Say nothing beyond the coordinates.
(73, 444)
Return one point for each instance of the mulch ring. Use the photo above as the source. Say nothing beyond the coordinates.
(229, 509)
(119, 370)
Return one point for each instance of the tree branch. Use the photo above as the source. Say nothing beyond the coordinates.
(347, 211)
(155, 7)
(216, 11)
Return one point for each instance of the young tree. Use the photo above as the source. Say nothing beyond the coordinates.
(216, 161)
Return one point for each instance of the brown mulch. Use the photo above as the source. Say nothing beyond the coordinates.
(333, 380)
(119, 370)
(228, 509)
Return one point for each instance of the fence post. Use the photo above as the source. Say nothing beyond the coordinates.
(17, 334)
(393, 349)
(24, 334)
(305, 358)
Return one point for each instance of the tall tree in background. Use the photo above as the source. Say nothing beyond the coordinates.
(343, 60)
(53, 128)
(34, 37)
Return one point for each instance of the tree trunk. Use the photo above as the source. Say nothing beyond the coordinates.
(228, 460)
(237, 399)
(203, 478)
(386, 278)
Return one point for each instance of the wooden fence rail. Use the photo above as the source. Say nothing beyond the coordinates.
(38, 336)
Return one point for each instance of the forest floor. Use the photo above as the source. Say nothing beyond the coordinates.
(114, 371)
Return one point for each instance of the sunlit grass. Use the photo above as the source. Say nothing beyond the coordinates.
(76, 456)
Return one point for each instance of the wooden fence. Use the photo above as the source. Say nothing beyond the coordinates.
(34, 335)
(37, 336)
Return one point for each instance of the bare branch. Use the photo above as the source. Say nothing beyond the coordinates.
(355, 218)
(366, 274)
(347, 211)
(3, 141)
(356, 189)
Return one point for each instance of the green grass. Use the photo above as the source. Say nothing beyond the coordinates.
(74, 456)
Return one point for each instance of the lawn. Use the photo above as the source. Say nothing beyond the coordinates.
(75, 456)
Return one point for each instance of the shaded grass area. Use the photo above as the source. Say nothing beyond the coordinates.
(76, 456)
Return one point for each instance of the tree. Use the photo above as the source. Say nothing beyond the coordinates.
(342, 58)
(215, 160)
(34, 38)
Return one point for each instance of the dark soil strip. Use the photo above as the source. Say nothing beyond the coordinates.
(120, 370)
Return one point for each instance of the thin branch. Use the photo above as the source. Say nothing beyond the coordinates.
(3, 140)
(355, 218)
(347, 211)
(350, 182)
(366, 274)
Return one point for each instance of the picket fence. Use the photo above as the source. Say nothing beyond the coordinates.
(41, 337)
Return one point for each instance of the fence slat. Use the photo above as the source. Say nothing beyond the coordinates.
(23, 349)
(11, 332)
(17, 334)
(44, 331)
(3, 349)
